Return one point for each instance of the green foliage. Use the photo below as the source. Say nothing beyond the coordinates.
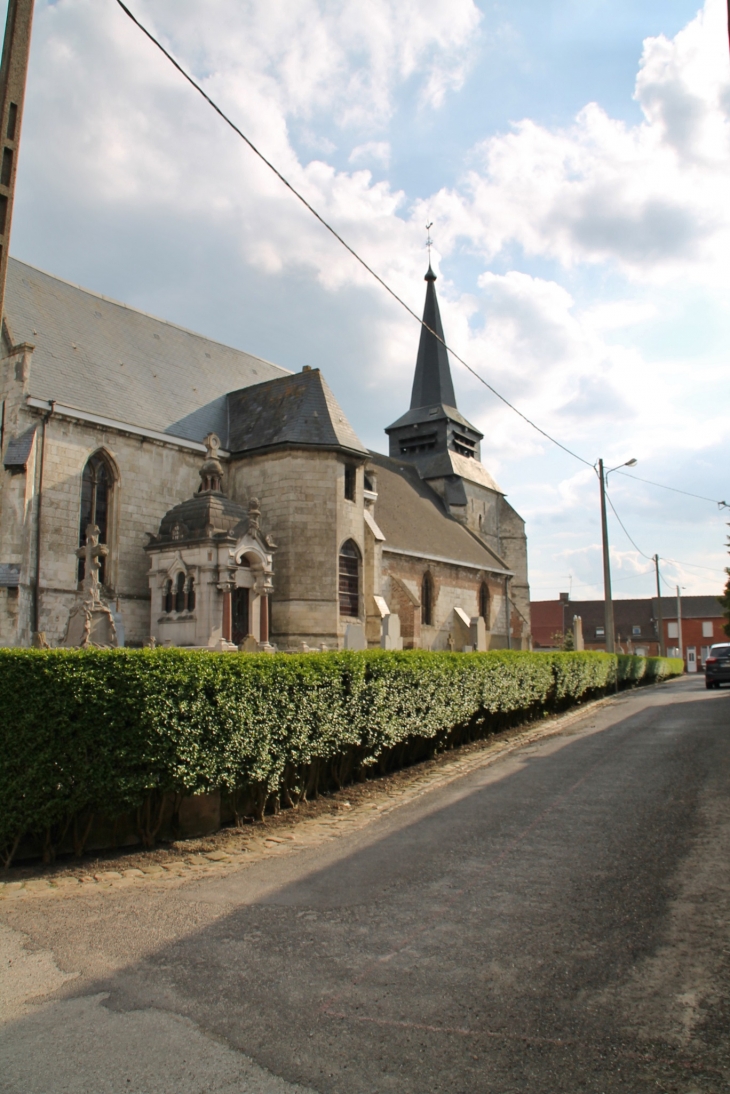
(108, 732)
(725, 601)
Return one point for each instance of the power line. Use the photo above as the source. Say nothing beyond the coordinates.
(339, 238)
(674, 561)
(618, 518)
(325, 224)
(676, 490)
(693, 565)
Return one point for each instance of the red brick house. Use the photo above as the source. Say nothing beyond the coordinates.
(636, 623)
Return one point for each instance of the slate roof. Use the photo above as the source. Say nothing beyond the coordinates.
(432, 382)
(453, 463)
(412, 518)
(18, 450)
(9, 575)
(107, 358)
(297, 410)
(693, 607)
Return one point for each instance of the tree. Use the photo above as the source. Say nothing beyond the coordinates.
(725, 600)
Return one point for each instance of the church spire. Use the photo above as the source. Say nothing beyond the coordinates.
(432, 383)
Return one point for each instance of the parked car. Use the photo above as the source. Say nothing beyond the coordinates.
(717, 665)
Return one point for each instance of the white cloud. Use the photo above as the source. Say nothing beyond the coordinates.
(651, 198)
(121, 161)
(371, 151)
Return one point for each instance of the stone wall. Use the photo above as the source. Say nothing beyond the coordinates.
(453, 587)
(150, 477)
(304, 509)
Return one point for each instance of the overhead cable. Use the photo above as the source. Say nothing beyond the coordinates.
(325, 224)
(338, 237)
(618, 518)
(673, 561)
(675, 489)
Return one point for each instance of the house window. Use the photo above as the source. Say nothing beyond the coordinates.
(636, 631)
(427, 600)
(350, 481)
(672, 630)
(180, 593)
(167, 596)
(191, 594)
(600, 632)
(707, 629)
(349, 579)
(484, 601)
(96, 484)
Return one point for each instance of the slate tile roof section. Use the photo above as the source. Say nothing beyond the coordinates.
(9, 575)
(297, 411)
(107, 358)
(693, 607)
(413, 519)
(18, 451)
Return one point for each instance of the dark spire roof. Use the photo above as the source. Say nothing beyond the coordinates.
(432, 383)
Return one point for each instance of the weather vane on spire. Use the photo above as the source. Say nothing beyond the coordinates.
(429, 241)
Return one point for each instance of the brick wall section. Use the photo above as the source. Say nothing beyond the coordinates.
(454, 586)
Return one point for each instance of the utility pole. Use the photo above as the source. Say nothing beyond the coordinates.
(679, 623)
(13, 75)
(608, 610)
(608, 602)
(660, 619)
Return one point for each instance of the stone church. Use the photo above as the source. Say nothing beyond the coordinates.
(229, 502)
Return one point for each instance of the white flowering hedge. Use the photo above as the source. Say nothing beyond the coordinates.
(96, 733)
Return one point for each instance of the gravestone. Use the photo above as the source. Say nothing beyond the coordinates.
(390, 638)
(478, 630)
(355, 637)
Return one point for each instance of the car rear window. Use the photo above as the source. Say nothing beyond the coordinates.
(720, 651)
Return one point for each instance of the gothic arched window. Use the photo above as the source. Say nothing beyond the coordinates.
(349, 579)
(427, 600)
(191, 594)
(484, 602)
(180, 593)
(167, 596)
(96, 488)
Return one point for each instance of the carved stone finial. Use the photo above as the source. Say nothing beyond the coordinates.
(254, 515)
(211, 473)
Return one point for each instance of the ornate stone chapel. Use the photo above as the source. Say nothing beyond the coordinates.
(225, 503)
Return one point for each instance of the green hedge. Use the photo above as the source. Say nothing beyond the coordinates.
(108, 732)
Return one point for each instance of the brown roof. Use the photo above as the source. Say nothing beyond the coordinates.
(413, 519)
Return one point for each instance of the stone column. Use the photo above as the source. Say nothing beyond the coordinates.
(227, 614)
(264, 623)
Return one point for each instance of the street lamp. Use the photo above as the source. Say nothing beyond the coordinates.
(608, 602)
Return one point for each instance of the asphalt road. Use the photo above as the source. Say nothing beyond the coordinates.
(557, 921)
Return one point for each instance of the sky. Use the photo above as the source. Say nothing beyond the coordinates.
(573, 156)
